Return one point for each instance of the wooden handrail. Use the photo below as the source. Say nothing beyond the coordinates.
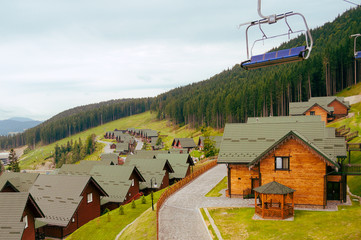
(178, 185)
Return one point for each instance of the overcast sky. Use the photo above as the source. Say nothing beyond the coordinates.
(59, 54)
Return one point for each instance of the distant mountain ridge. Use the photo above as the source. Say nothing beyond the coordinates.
(16, 124)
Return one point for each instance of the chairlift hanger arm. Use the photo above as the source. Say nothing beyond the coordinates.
(352, 3)
(355, 36)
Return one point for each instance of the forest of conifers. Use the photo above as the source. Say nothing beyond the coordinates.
(230, 96)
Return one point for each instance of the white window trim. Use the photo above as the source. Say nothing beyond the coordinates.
(90, 197)
(132, 182)
(25, 220)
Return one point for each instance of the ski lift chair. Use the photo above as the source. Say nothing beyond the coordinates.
(277, 57)
(357, 54)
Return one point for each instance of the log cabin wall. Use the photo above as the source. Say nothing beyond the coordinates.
(306, 172)
(318, 111)
(241, 178)
(340, 110)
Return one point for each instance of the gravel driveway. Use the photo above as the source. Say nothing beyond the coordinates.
(179, 217)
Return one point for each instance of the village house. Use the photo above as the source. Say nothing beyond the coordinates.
(22, 182)
(110, 159)
(181, 164)
(184, 143)
(155, 172)
(18, 211)
(216, 139)
(68, 202)
(297, 152)
(329, 108)
(121, 184)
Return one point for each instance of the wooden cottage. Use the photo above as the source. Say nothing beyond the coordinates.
(298, 152)
(217, 140)
(155, 172)
(329, 108)
(68, 202)
(121, 184)
(22, 182)
(18, 211)
(184, 143)
(181, 164)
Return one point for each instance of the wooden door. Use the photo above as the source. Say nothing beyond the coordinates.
(333, 191)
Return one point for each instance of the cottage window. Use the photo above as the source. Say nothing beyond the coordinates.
(312, 112)
(90, 197)
(72, 219)
(132, 182)
(25, 220)
(282, 163)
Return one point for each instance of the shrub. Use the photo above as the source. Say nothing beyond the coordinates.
(144, 201)
(108, 217)
(106, 211)
(121, 210)
(133, 204)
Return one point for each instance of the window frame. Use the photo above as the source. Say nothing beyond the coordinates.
(283, 165)
(89, 197)
(25, 220)
(312, 113)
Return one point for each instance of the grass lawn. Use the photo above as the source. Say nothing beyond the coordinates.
(101, 228)
(350, 91)
(237, 223)
(144, 228)
(143, 120)
(215, 192)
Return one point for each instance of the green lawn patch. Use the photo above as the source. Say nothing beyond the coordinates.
(237, 223)
(350, 91)
(101, 228)
(215, 192)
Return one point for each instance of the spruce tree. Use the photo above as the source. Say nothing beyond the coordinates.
(14, 163)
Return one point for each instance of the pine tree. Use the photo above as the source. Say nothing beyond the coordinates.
(14, 163)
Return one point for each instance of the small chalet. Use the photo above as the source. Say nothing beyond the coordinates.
(181, 164)
(18, 211)
(155, 172)
(122, 148)
(298, 152)
(68, 202)
(185, 143)
(120, 182)
(216, 139)
(329, 108)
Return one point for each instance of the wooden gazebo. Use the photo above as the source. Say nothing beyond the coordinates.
(276, 201)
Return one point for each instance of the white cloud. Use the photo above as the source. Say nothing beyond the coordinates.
(60, 54)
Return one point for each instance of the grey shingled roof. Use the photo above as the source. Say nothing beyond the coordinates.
(299, 108)
(179, 163)
(78, 169)
(21, 181)
(284, 119)
(248, 142)
(12, 206)
(59, 196)
(186, 142)
(115, 181)
(150, 168)
(109, 158)
(274, 188)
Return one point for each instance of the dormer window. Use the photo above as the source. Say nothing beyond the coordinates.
(282, 163)
(312, 113)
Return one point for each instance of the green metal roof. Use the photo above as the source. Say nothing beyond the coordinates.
(248, 142)
(186, 142)
(216, 139)
(274, 188)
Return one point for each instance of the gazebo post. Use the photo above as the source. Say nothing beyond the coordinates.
(262, 195)
(282, 206)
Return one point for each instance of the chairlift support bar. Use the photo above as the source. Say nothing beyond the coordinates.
(273, 19)
(352, 3)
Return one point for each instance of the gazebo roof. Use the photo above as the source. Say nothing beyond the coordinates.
(274, 188)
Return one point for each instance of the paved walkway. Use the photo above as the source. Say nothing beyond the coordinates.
(107, 148)
(179, 216)
(139, 144)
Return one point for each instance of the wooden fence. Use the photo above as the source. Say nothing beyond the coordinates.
(178, 185)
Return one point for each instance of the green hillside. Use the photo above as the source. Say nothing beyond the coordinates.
(144, 120)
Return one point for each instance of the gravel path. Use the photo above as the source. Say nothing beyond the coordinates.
(179, 217)
(107, 147)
